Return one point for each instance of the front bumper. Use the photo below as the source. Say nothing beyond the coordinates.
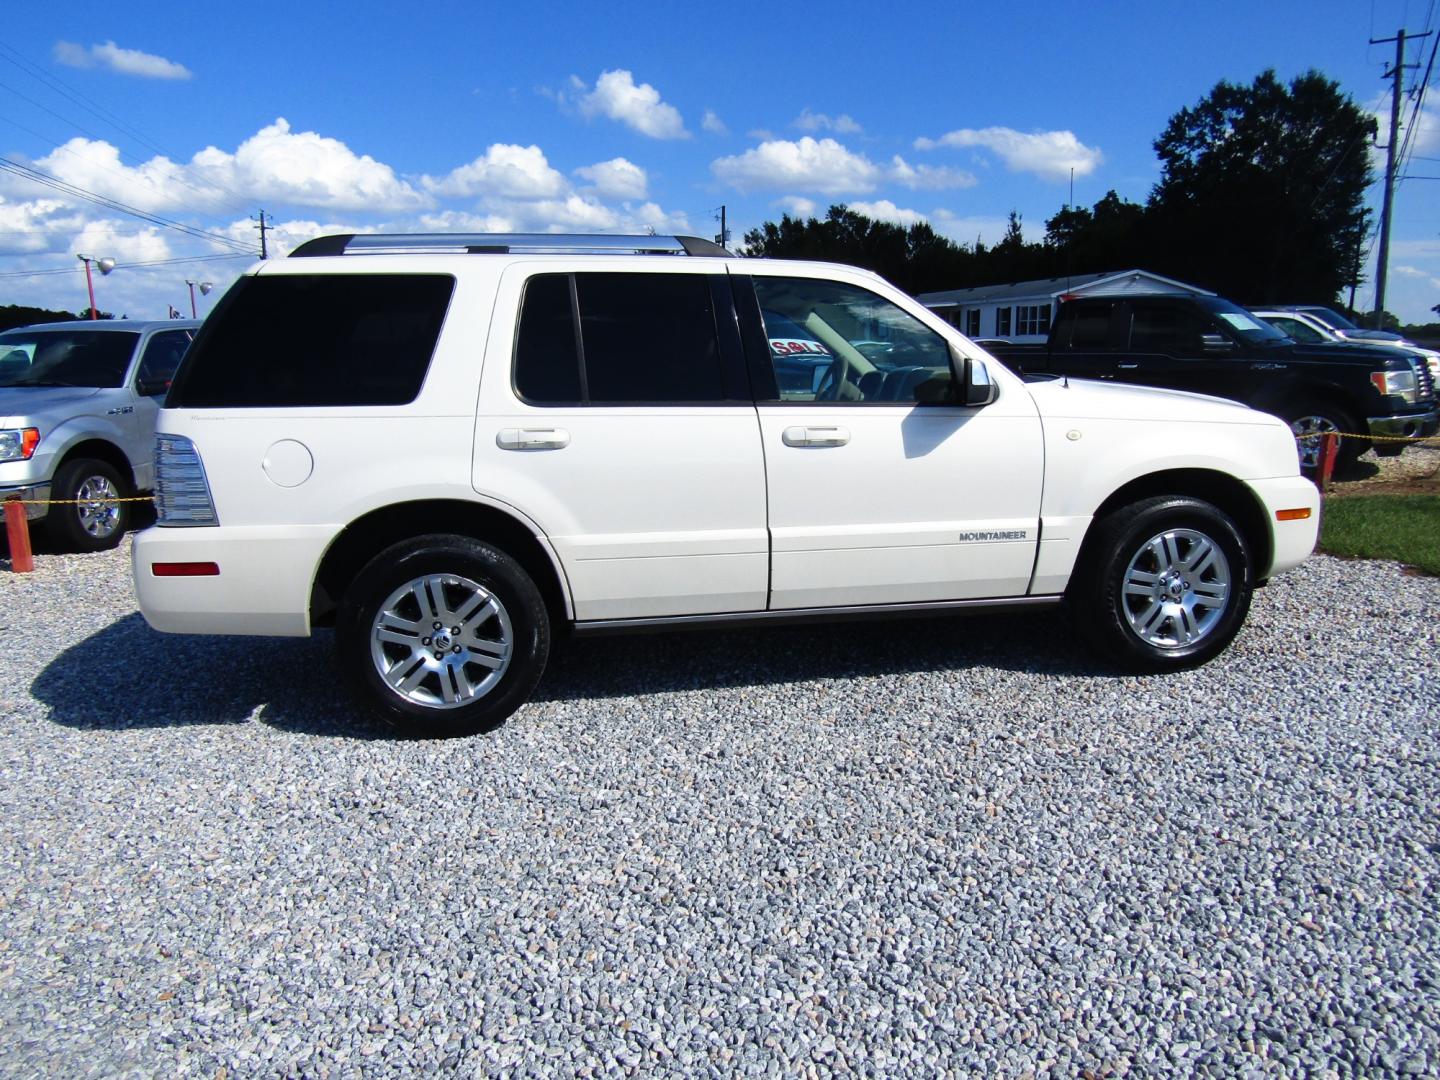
(1407, 426)
(35, 496)
(1291, 541)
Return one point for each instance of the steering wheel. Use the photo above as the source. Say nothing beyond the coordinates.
(832, 380)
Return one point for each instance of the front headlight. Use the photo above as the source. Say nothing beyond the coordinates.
(17, 444)
(1401, 384)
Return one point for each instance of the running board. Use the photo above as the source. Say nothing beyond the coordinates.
(791, 616)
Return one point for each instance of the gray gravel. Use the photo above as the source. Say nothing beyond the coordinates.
(893, 849)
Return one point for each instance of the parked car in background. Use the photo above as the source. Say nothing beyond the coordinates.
(1310, 329)
(482, 440)
(77, 420)
(1209, 345)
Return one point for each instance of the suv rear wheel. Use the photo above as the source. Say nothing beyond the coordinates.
(86, 515)
(442, 636)
(1167, 584)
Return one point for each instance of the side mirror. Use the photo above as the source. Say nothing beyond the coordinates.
(1216, 343)
(151, 387)
(978, 387)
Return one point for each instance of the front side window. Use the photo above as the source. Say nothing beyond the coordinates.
(163, 354)
(89, 358)
(829, 341)
(1298, 330)
(1173, 331)
(311, 340)
(595, 338)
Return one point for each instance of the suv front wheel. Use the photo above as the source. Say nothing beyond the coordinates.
(442, 636)
(1166, 585)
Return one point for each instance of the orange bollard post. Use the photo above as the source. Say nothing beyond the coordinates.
(1329, 451)
(17, 532)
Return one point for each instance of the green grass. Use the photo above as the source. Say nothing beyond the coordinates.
(1405, 528)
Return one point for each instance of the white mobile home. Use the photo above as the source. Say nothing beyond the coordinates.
(1021, 311)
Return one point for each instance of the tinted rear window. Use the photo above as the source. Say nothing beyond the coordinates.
(316, 340)
(644, 338)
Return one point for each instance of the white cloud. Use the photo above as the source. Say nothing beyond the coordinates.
(813, 122)
(797, 206)
(1416, 272)
(308, 169)
(929, 177)
(1048, 154)
(885, 210)
(504, 169)
(640, 107)
(156, 185)
(824, 166)
(713, 124)
(121, 61)
(616, 178)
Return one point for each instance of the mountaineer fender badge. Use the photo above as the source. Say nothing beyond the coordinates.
(990, 536)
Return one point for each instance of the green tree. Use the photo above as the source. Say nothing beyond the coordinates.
(1261, 189)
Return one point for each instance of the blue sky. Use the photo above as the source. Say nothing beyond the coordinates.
(596, 117)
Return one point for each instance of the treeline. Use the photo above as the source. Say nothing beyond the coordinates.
(1260, 198)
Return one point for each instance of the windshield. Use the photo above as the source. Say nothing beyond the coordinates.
(1332, 319)
(1241, 322)
(89, 358)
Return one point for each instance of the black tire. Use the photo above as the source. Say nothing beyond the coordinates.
(461, 685)
(1148, 632)
(75, 522)
(1321, 416)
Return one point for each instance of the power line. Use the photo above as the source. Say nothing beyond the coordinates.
(99, 111)
(149, 265)
(39, 176)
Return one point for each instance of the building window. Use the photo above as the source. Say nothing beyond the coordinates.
(1002, 322)
(1031, 319)
(972, 322)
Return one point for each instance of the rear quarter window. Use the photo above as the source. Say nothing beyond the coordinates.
(298, 340)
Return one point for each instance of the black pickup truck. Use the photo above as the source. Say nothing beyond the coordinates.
(1212, 346)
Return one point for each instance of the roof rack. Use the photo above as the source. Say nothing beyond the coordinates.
(505, 244)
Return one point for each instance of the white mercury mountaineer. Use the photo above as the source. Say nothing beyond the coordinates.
(447, 446)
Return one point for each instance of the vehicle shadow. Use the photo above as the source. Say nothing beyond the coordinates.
(156, 680)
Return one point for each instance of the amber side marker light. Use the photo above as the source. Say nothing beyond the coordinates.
(1298, 514)
(185, 569)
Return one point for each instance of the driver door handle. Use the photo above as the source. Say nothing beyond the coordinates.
(815, 436)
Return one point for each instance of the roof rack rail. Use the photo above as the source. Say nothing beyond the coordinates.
(505, 244)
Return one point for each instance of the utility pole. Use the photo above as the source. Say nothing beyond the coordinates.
(724, 238)
(264, 252)
(1397, 75)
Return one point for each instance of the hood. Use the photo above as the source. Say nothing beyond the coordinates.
(1089, 399)
(24, 402)
(1366, 352)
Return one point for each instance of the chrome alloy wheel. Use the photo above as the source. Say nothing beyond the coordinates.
(1176, 588)
(96, 507)
(1308, 430)
(441, 641)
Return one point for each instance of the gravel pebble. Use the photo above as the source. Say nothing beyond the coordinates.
(929, 848)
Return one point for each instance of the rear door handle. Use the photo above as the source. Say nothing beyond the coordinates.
(815, 436)
(532, 439)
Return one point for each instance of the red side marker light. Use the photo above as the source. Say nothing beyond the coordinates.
(185, 569)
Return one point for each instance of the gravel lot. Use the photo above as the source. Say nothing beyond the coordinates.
(891, 849)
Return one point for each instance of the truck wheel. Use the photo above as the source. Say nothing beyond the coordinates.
(84, 517)
(1166, 584)
(442, 636)
(1311, 419)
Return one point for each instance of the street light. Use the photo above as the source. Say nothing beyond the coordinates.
(205, 287)
(105, 265)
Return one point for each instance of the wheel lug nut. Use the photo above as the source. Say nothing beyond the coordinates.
(436, 626)
(456, 650)
(455, 630)
(424, 641)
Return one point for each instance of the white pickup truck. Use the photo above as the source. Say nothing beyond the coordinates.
(77, 420)
(449, 446)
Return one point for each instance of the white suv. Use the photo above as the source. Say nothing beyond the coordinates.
(447, 447)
